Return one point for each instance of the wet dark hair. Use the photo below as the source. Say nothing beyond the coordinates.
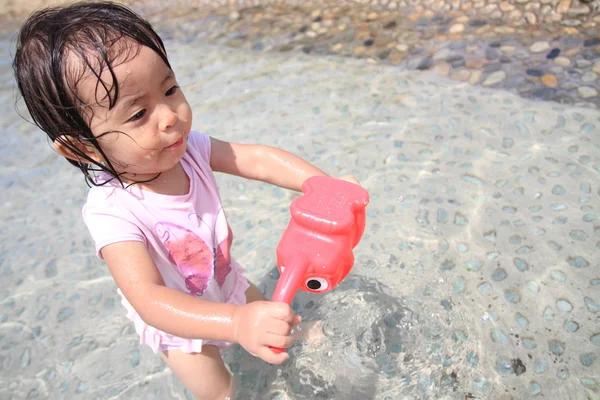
(47, 81)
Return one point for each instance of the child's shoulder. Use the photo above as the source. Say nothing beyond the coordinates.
(199, 143)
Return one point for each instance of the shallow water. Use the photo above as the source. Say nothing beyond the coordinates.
(477, 276)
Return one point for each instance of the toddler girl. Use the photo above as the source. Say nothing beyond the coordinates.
(96, 79)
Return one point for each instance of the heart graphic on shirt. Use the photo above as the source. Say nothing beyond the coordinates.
(190, 254)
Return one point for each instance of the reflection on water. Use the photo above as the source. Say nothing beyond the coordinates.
(476, 278)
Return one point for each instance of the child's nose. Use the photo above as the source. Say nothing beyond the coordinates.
(168, 118)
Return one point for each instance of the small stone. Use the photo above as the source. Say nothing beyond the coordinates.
(534, 72)
(558, 190)
(589, 77)
(595, 338)
(556, 347)
(596, 67)
(512, 296)
(359, 50)
(26, 358)
(549, 80)
(531, 285)
(531, 18)
(539, 47)
(521, 264)
(521, 320)
(535, 388)
(558, 276)
(592, 306)
(563, 6)
(462, 75)
(562, 61)
(494, 78)
(402, 47)
(485, 289)
(456, 28)
(553, 54)
(571, 326)
(500, 337)
(578, 11)
(529, 343)
(562, 373)
(337, 47)
(475, 76)
(499, 275)
(564, 305)
(515, 15)
(578, 262)
(504, 367)
(590, 383)
(587, 359)
(476, 63)
(541, 366)
(586, 92)
(442, 69)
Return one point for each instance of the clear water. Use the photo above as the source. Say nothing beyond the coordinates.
(477, 276)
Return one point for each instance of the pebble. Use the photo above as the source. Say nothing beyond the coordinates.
(494, 78)
(589, 77)
(549, 80)
(529, 343)
(539, 47)
(499, 275)
(500, 337)
(556, 347)
(553, 54)
(590, 383)
(504, 367)
(457, 28)
(564, 305)
(562, 61)
(541, 367)
(571, 326)
(591, 305)
(587, 359)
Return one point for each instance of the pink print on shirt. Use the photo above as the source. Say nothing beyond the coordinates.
(195, 259)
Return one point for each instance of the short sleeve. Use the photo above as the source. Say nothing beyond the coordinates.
(109, 224)
(199, 146)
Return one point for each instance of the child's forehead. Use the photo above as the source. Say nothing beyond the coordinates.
(93, 72)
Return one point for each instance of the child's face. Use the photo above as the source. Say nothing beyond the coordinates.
(152, 117)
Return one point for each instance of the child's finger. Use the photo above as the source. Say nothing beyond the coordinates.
(296, 321)
(283, 312)
(278, 340)
(268, 355)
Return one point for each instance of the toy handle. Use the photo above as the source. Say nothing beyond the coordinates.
(287, 286)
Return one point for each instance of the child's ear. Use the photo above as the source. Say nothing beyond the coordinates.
(64, 146)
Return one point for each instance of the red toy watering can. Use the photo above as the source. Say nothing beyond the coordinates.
(315, 251)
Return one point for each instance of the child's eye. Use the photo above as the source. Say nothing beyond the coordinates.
(172, 90)
(139, 115)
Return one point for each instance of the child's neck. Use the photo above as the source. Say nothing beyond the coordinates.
(174, 182)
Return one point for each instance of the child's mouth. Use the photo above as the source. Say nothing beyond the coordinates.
(175, 145)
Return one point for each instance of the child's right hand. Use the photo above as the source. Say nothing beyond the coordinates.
(261, 324)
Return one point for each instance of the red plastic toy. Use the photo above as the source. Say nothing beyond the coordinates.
(315, 251)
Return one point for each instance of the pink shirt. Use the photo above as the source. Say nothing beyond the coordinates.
(187, 236)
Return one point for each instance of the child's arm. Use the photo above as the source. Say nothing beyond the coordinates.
(263, 163)
(255, 325)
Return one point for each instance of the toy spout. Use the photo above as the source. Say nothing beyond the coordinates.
(289, 282)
